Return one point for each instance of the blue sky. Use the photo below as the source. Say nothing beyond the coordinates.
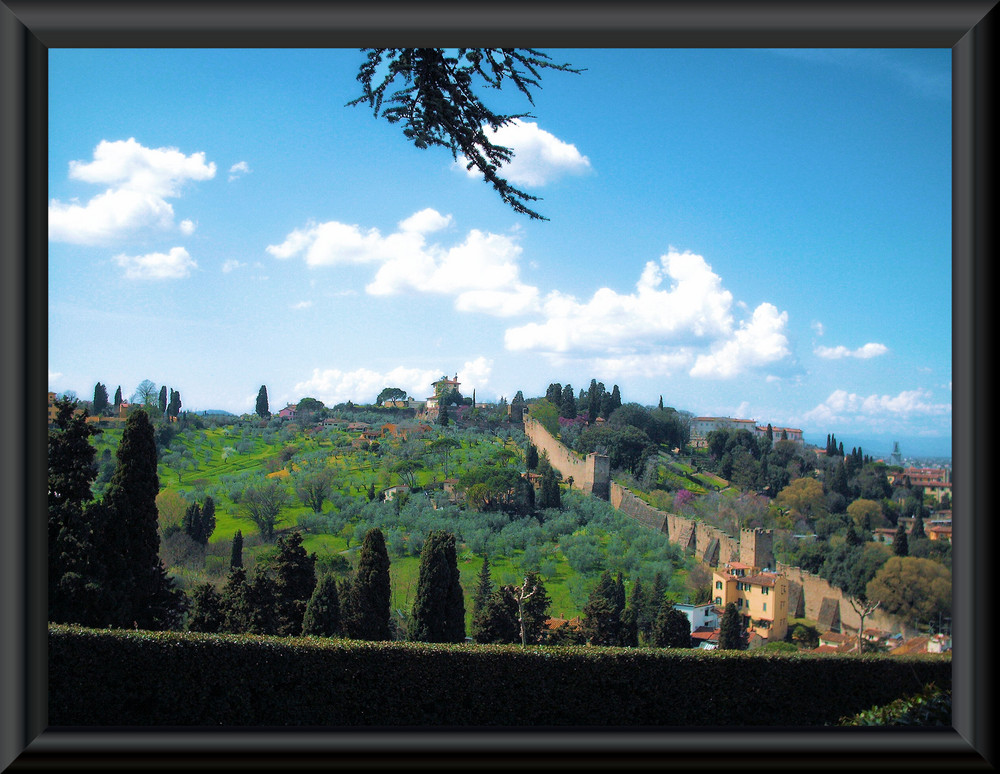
(761, 234)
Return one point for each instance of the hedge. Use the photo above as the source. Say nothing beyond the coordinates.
(137, 678)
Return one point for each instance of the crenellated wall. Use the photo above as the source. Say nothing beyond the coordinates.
(810, 596)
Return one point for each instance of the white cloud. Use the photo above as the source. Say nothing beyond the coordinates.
(694, 307)
(302, 305)
(760, 342)
(231, 265)
(818, 327)
(140, 180)
(425, 221)
(869, 350)
(187, 227)
(55, 376)
(475, 375)
(482, 272)
(539, 156)
(176, 264)
(842, 407)
(238, 169)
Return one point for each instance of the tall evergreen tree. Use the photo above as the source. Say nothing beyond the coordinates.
(900, 543)
(549, 495)
(322, 616)
(671, 628)
(206, 613)
(163, 400)
(75, 574)
(236, 552)
(531, 457)
(498, 620)
(369, 600)
(918, 532)
(142, 593)
(567, 403)
(731, 630)
(262, 409)
(594, 396)
(554, 393)
(630, 618)
(100, 399)
(118, 398)
(174, 407)
(439, 610)
(602, 623)
(480, 599)
(616, 398)
(294, 574)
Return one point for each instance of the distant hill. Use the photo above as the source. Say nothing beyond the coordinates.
(214, 412)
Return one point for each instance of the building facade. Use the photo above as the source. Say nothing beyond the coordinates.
(760, 596)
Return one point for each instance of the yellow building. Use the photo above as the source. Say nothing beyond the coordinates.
(761, 597)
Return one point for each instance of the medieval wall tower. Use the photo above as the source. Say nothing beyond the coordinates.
(757, 548)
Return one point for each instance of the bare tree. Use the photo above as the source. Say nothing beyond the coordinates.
(864, 608)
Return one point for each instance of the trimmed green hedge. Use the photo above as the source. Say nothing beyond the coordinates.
(135, 678)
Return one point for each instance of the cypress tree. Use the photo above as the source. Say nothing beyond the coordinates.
(118, 398)
(294, 581)
(498, 624)
(900, 544)
(370, 592)
(731, 630)
(631, 616)
(601, 615)
(671, 628)
(236, 553)
(439, 610)
(142, 595)
(100, 399)
(322, 616)
(262, 408)
(480, 599)
(918, 525)
(163, 400)
(207, 520)
(207, 613)
(567, 403)
(75, 574)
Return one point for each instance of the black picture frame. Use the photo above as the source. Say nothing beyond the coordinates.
(28, 28)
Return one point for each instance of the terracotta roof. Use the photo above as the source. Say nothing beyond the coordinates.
(762, 579)
(913, 645)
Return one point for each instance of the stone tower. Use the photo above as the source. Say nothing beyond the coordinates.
(757, 548)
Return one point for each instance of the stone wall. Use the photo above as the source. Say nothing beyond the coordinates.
(592, 473)
(810, 596)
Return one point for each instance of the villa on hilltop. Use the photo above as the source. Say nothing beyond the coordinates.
(702, 426)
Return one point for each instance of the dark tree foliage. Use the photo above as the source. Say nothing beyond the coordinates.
(671, 628)
(262, 410)
(294, 575)
(900, 543)
(731, 635)
(535, 607)
(199, 521)
(75, 574)
(498, 623)
(437, 104)
(174, 407)
(918, 527)
(162, 403)
(369, 600)
(100, 399)
(322, 616)
(602, 615)
(236, 552)
(480, 599)
(626, 446)
(118, 397)
(567, 403)
(549, 495)
(553, 393)
(142, 594)
(632, 615)
(206, 611)
(439, 610)
(531, 457)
